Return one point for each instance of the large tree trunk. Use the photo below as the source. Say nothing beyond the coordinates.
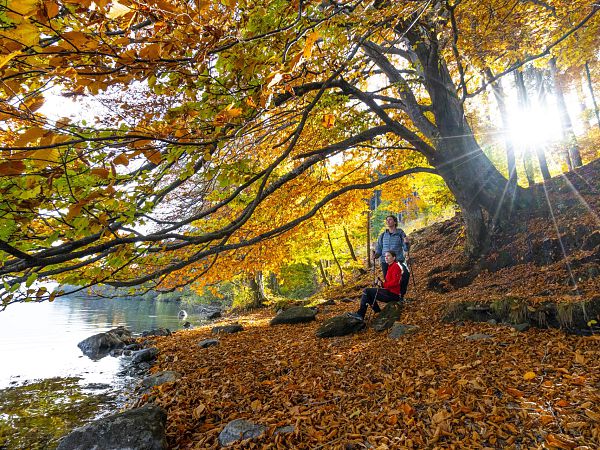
(475, 182)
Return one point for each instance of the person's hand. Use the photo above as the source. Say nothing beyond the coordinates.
(378, 282)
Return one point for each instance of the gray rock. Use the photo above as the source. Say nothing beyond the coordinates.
(101, 344)
(400, 330)
(228, 329)
(521, 326)
(208, 343)
(146, 355)
(492, 322)
(388, 315)
(592, 241)
(238, 430)
(214, 315)
(134, 346)
(479, 337)
(159, 378)
(296, 314)
(135, 429)
(340, 326)
(157, 332)
(285, 430)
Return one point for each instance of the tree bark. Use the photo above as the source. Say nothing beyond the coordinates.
(539, 149)
(524, 106)
(336, 260)
(591, 87)
(475, 182)
(257, 290)
(511, 162)
(573, 156)
(369, 262)
(349, 243)
(324, 278)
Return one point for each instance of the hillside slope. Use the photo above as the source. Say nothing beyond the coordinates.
(449, 385)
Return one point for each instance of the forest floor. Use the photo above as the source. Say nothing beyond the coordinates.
(435, 388)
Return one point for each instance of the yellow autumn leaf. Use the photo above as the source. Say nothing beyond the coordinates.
(25, 33)
(117, 10)
(529, 376)
(42, 158)
(310, 42)
(255, 405)
(5, 59)
(23, 7)
(328, 121)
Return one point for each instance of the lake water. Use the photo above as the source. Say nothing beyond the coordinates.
(42, 367)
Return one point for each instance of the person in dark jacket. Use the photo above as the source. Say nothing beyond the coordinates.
(390, 292)
(394, 239)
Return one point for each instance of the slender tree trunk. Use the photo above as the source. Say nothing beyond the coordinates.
(272, 283)
(573, 154)
(539, 150)
(349, 243)
(336, 260)
(369, 262)
(524, 106)
(511, 162)
(591, 87)
(257, 290)
(324, 278)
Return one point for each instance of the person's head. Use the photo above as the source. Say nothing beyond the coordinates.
(390, 257)
(391, 221)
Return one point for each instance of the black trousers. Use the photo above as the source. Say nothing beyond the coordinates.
(370, 297)
(403, 280)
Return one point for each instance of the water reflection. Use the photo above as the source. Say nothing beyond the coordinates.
(40, 340)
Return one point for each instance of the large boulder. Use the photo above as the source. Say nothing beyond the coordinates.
(340, 326)
(101, 344)
(296, 314)
(388, 315)
(238, 430)
(136, 429)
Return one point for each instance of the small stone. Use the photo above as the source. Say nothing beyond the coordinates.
(228, 329)
(238, 430)
(479, 337)
(159, 378)
(521, 326)
(399, 329)
(208, 343)
(492, 322)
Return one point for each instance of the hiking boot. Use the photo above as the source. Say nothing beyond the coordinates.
(356, 316)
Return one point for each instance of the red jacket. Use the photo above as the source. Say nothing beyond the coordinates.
(392, 278)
